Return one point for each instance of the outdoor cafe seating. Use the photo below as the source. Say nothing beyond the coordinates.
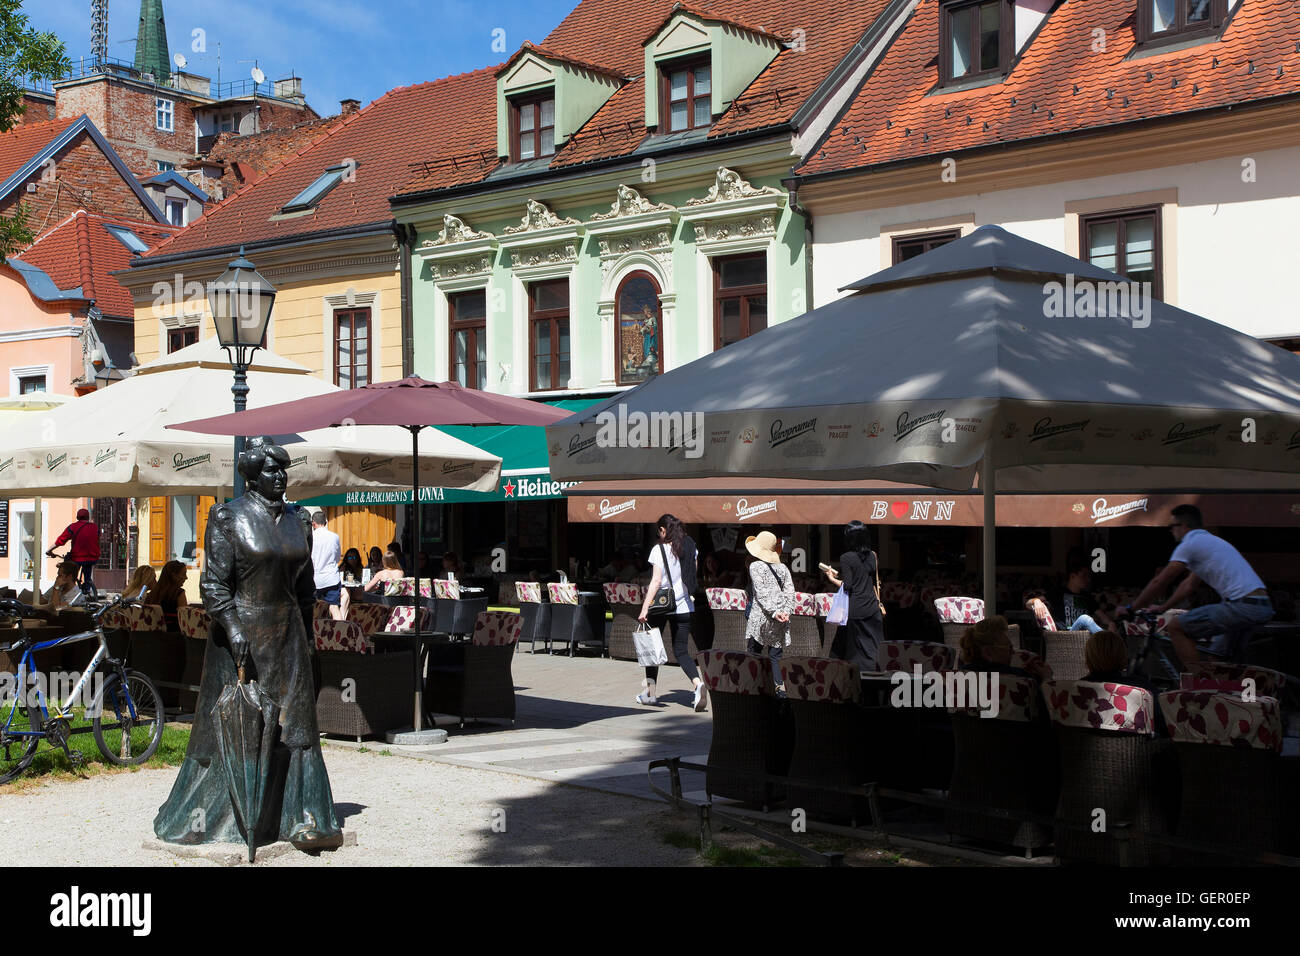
(362, 692)
(577, 618)
(456, 609)
(473, 679)
(535, 614)
(752, 731)
(832, 737)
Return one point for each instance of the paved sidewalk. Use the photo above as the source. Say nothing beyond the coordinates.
(577, 723)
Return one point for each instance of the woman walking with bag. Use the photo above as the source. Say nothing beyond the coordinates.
(770, 603)
(672, 583)
(857, 640)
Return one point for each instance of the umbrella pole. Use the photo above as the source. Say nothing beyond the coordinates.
(988, 485)
(39, 534)
(418, 720)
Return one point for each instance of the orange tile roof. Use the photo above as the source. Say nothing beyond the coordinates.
(19, 145)
(1061, 84)
(613, 34)
(551, 54)
(81, 252)
(445, 122)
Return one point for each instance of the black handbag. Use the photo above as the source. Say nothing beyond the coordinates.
(664, 601)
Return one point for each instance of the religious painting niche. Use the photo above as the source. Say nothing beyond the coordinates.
(639, 340)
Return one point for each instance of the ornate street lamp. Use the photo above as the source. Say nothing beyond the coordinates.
(241, 302)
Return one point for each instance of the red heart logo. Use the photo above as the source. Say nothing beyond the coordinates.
(899, 508)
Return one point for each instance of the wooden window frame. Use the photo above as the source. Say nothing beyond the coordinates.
(736, 292)
(1121, 254)
(1006, 40)
(476, 326)
(169, 112)
(1180, 30)
(370, 347)
(182, 332)
(537, 316)
(689, 64)
(947, 235)
(618, 315)
(517, 106)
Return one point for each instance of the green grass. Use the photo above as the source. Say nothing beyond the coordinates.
(53, 762)
(719, 855)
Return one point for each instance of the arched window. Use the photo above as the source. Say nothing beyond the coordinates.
(639, 354)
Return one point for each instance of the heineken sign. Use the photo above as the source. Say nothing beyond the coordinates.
(510, 488)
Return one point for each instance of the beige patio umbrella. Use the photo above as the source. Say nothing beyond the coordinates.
(12, 412)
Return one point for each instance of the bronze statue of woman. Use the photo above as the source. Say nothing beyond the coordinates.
(258, 588)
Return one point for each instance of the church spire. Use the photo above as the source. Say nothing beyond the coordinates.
(151, 53)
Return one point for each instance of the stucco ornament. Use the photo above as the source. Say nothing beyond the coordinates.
(539, 217)
(731, 185)
(629, 202)
(456, 230)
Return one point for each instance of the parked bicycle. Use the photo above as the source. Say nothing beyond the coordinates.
(126, 713)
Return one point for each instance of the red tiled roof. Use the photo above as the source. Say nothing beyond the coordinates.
(19, 145)
(80, 251)
(613, 33)
(444, 122)
(528, 46)
(1061, 84)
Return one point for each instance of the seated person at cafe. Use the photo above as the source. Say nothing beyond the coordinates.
(1106, 657)
(64, 592)
(1079, 610)
(450, 566)
(390, 573)
(619, 570)
(986, 646)
(715, 575)
(169, 592)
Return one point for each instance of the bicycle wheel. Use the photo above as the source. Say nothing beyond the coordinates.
(16, 753)
(128, 719)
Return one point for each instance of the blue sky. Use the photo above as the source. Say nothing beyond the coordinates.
(340, 48)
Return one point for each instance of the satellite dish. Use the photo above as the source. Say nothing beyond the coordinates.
(258, 76)
(180, 61)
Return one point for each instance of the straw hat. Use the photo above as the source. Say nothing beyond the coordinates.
(764, 547)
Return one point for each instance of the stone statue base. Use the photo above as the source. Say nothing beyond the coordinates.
(233, 854)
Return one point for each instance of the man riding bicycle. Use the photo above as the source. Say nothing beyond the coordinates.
(1223, 628)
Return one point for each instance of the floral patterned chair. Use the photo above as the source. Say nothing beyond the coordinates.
(728, 607)
(474, 680)
(454, 614)
(1228, 751)
(361, 693)
(805, 637)
(535, 611)
(1007, 762)
(138, 633)
(1267, 682)
(369, 617)
(194, 623)
(752, 733)
(624, 602)
(574, 623)
(832, 739)
(904, 655)
(1110, 760)
(823, 602)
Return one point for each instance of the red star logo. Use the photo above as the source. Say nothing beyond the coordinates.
(509, 489)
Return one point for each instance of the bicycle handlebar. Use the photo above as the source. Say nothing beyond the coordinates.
(17, 607)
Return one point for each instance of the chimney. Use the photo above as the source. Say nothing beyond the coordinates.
(348, 107)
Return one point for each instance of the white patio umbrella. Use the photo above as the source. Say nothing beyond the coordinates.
(984, 357)
(12, 410)
(114, 441)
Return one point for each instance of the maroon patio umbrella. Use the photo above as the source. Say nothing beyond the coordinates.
(411, 403)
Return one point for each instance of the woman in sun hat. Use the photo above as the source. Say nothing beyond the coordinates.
(770, 603)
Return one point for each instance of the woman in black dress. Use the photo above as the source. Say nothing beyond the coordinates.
(857, 640)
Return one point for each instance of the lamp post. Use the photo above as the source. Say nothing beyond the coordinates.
(241, 302)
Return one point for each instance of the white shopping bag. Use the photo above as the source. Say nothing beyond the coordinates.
(649, 646)
(839, 612)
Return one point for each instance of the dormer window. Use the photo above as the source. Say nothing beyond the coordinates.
(686, 95)
(1160, 20)
(532, 128)
(975, 38)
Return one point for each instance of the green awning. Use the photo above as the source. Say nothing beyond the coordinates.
(525, 474)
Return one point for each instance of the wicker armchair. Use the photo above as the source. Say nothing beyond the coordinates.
(728, 608)
(474, 680)
(369, 617)
(151, 648)
(194, 623)
(831, 737)
(536, 614)
(1007, 762)
(624, 601)
(1231, 781)
(805, 636)
(1110, 761)
(575, 624)
(752, 732)
(361, 693)
(1063, 651)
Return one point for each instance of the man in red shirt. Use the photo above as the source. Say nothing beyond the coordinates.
(84, 535)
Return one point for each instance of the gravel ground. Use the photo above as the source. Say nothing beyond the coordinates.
(404, 813)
